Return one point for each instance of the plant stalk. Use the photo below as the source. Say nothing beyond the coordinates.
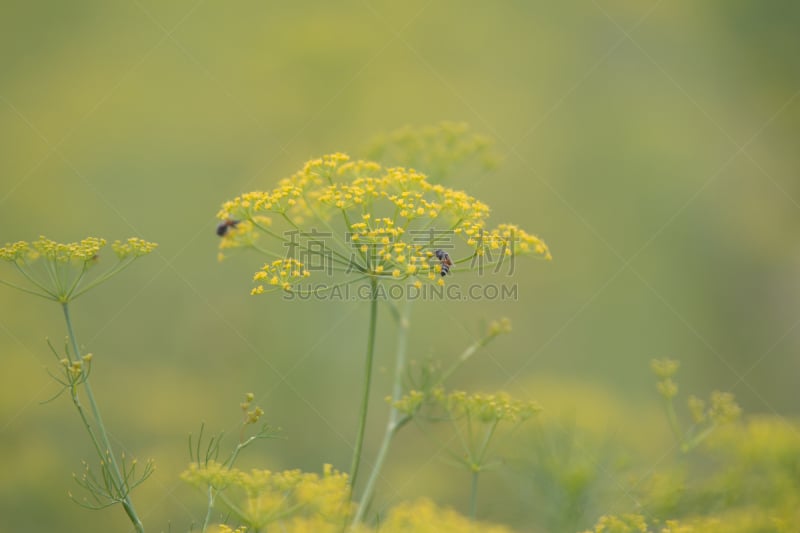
(395, 420)
(473, 496)
(373, 319)
(127, 504)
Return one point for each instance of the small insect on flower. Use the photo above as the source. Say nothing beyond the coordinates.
(443, 256)
(223, 226)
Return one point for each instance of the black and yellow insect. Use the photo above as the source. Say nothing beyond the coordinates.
(225, 225)
(445, 260)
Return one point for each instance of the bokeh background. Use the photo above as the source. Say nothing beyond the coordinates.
(653, 145)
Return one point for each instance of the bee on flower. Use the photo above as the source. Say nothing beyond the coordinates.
(384, 223)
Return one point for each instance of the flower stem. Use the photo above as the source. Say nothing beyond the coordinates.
(127, 504)
(473, 496)
(373, 319)
(673, 422)
(395, 420)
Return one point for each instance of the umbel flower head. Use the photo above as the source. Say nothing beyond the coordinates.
(444, 149)
(278, 497)
(61, 271)
(337, 215)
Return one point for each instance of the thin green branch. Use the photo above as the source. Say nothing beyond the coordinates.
(127, 504)
(373, 320)
(396, 419)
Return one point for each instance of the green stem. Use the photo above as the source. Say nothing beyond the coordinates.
(127, 504)
(29, 291)
(33, 280)
(121, 265)
(465, 356)
(396, 421)
(700, 437)
(373, 319)
(473, 496)
(209, 510)
(673, 422)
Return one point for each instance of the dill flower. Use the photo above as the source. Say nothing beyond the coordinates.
(442, 148)
(667, 388)
(61, 271)
(627, 523)
(483, 408)
(697, 408)
(664, 368)
(475, 417)
(357, 217)
(424, 516)
(264, 497)
(724, 408)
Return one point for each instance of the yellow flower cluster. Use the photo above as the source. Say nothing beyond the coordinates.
(222, 528)
(251, 416)
(133, 247)
(724, 408)
(409, 403)
(424, 516)
(272, 497)
(664, 368)
(85, 250)
(391, 220)
(739, 521)
(420, 516)
(14, 251)
(63, 272)
(442, 148)
(281, 273)
(496, 327)
(75, 369)
(486, 408)
(627, 523)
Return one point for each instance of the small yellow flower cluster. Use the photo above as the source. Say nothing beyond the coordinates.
(697, 408)
(82, 251)
(85, 250)
(222, 528)
(724, 408)
(289, 195)
(496, 327)
(673, 526)
(665, 369)
(133, 247)
(420, 516)
(271, 497)
(251, 416)
(442, 148)
(394, 218)
(424, 516)
(485, 408)
(409, 403)
(281, 273)
(744, 521)
(14, 251)
(627, 523)
(75, 369)
(507, 239)
(64, 269)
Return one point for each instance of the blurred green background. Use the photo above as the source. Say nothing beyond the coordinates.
(653, 145)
